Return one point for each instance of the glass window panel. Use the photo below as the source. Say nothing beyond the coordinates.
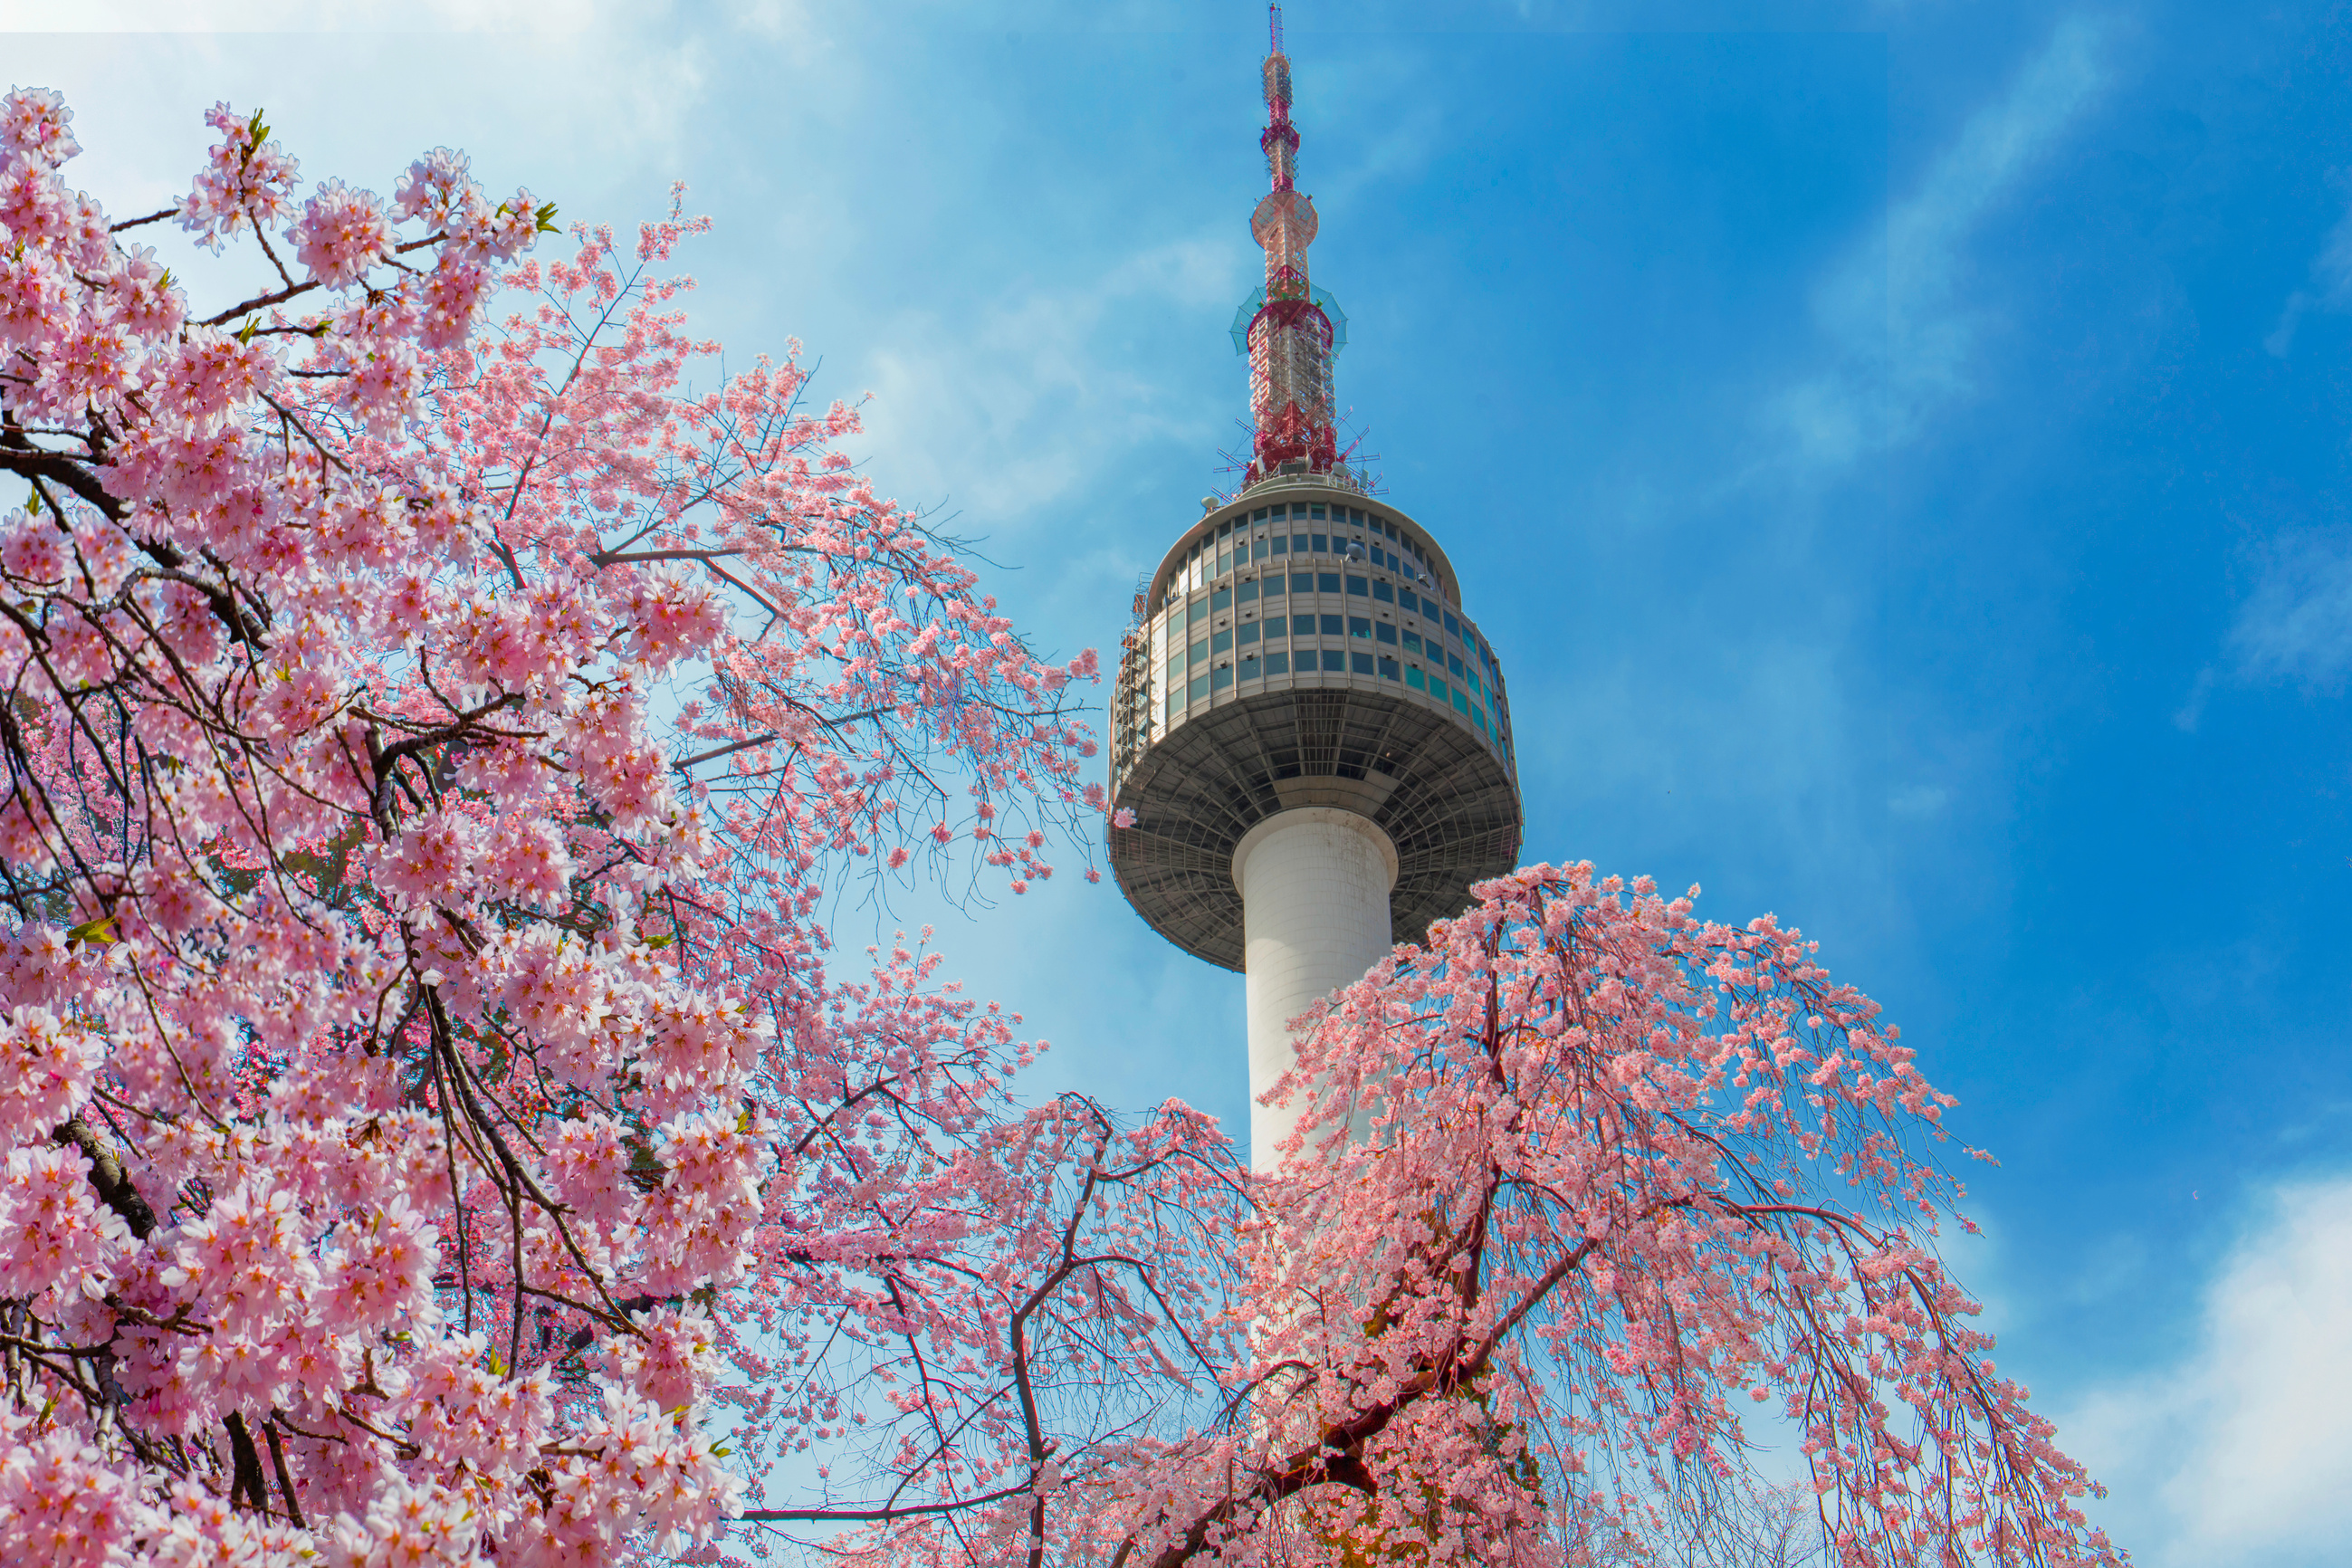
(1260, 550)
(1302, 581)
(1199, 687)
(1282, 544)
(1408, 600)
(1359, 626)
(1412, 678)
(1332, 626)
(1480, 715)
(1384, 592)
(1437, 688)
(1200, 612)
(1175, 669)
(1274, 584)
(1224, 561)
(1359, 586)
(1327, 581)
(1223, 599)
(1224, 529)
(1334, 661)
(1452, 624)
(1245, 593)
(1314, 510)
(1277, 664)
(1222, 678)
(1302, 625)
(1386, 632)
(1249, 668)
(1250, 633)
(1321, 542)
(1453, 663)
(1461, 703)
(1388, 670)
(1220, 642)
(1475, 687)
(1362, 663)
(1200, 651)
(1167, 709)
(1258, 516)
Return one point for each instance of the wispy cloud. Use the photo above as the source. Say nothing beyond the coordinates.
(2328, 287)
(1034, 395)
(2297, 624)
(2239, 1456)
(1895, 310)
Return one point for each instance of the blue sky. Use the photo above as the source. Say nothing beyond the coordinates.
(1897, 450)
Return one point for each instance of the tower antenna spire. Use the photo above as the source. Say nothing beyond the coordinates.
(1296, 328)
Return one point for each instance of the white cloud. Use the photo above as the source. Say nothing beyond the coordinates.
(1895, 310)
(2239, 1456)
(2330, 287)
(2297, 623)
(1919, 801)
(1014, 408)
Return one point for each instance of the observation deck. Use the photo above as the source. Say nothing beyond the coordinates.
(1304, 646)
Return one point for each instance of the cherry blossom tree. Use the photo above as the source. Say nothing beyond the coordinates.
(432, 737)
(1579, 1181)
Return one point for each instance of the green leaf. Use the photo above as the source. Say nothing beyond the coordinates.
(546, 218)
(100, 929)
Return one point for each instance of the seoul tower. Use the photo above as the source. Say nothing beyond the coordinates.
(1311, 732)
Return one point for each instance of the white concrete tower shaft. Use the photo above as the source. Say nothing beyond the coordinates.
(1315, 884)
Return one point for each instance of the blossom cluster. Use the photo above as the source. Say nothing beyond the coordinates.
(401, 1044)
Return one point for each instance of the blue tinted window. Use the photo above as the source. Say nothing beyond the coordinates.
(1175, 669)
(1200, 651)
(1331, 627)
(1260, 550)
(1480, 715)
(1386, 632)
(1249, 670)
(1298, 545)
(1282, 544)
(1358, 626)
(1250, 632)
(1407, 601)
(1359, 585)
(1199, 687)
(1245, 593)
(1302, 625)
(1167, 709)
(1382, 591)
(1475, 687)
(1200, 613)
(1314, 511)
(1224, 561)
(1258, 516)
(1223, 599)
(1327, 581)
(1452, 624)
(1274, 584)
(1437, 688)
(1453, 663)
(1388, 670)
(1277, 664)
(1411, 642)
(1302, 581)
(1223, 678)
(1461, 703)
(1362, 662)
(1412, 678)
(1334, 661)
(1321, 542)
(1222, 642)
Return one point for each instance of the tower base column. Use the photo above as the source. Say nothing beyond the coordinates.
(1315, 886)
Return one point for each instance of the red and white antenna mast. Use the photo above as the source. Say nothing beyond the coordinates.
(1291, 339)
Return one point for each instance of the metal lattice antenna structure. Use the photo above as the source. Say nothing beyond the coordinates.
(1292, 334)
(1311, 747)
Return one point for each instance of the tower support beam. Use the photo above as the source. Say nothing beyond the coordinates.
(1315, 884)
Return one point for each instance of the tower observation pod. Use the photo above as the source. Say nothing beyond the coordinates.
(1312, 735)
